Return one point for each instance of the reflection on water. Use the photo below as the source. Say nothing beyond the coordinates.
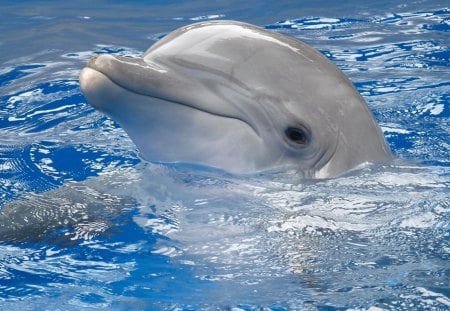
(86, 224)
(368, 238)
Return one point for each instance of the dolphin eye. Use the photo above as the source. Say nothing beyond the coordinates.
(297, 135)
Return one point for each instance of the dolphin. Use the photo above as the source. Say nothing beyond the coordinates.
(237, 97)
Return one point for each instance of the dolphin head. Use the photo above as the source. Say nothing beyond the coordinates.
(237, 97)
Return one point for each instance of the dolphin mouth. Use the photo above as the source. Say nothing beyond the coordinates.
(147, 79)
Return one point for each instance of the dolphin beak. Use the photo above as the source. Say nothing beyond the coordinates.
(150, 79)
(133, 74)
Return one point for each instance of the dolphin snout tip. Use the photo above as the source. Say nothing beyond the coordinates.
(92, 61)
(85, 79)
(99, 61)
(91, 81)
(96, 87)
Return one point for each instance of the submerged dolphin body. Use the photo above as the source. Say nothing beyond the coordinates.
(237, 97)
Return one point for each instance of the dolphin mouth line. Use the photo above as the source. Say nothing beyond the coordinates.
(172, 101)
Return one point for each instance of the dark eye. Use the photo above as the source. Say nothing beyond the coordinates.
(297, 135)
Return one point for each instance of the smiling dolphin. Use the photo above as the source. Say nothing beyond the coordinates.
(237, 97)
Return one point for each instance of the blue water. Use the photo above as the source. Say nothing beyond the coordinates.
(85, 224)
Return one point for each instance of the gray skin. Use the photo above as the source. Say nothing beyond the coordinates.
(237, 97)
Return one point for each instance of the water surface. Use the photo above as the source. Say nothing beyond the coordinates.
(87, 225)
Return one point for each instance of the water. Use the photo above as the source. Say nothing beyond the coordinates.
(87, 225)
